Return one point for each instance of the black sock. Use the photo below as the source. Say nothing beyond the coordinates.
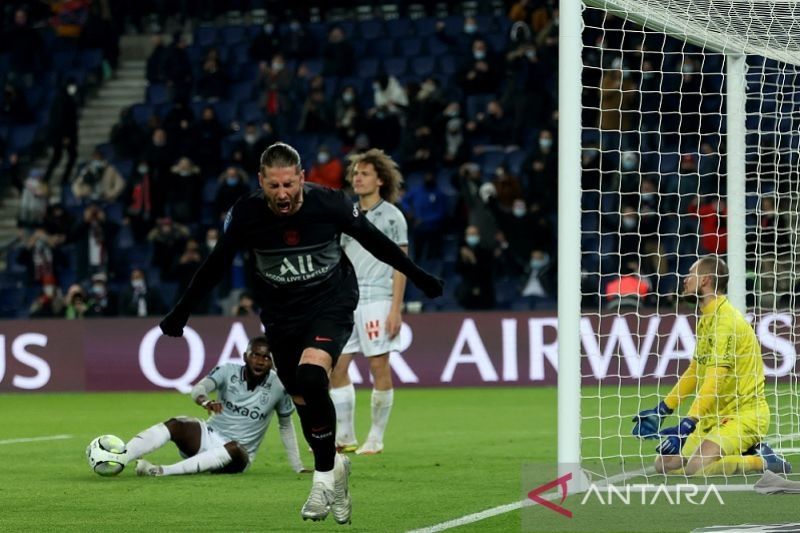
(318, 415)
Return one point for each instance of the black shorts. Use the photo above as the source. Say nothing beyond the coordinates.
(329, 329)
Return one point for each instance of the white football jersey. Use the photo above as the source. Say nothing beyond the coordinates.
(375, 277)
(246, 413)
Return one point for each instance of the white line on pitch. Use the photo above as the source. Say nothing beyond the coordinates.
(36, 439)
(507, 508)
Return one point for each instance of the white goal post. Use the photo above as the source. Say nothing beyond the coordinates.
(746, 55)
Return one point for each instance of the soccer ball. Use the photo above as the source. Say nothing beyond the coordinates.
(105, 455)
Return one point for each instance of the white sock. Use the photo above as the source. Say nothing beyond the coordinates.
(147, 441)
(212, 459)
(326, 478)
(344, 400)
(382, 401)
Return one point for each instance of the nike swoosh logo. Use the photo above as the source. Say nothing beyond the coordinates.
(317, 430)
(322, 339)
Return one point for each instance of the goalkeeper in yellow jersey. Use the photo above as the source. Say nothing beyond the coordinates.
(723, 431)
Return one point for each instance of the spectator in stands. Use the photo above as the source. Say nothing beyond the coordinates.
(63, 130)
(540, 274)
(50, 302)
(327, 170)
(317, 115)
(99, 32)
(232, 185)
(338, 56)
(349, 116)
(178, 69)
(247, 150)
(9, 166)
(168, 241)
(279, 89)
(618, 101)
(160, 155)
(95, 238)
(479, 75)
(630, 289)
(185, 191)
(493, 129)
(14, 108)
(540, 173)
(471, 209)
(179, 124)
(34, 200)
(453, 147)
(525, 96)
(297, 43)
(521, 232)
(713, 224)
(426, 208)
(773, 252)
(102, 302)
(629, 235)
(206, 145)
(188, 263)
(137, 300)
(507, 188)
(155, 61)
(58, 222)
(384, 120)
(418, 146)
(521, 11)
(266, 44)
(139, 202)
(475, 267)
(127, 137)
(99, 180)
(213, 82)
(26, 48)
(212, 237)
(40, 255)
(76, 305)
(246, 306)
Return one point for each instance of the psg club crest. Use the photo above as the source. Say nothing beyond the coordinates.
(291, 237)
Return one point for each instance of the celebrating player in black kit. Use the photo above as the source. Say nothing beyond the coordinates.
(307, 291)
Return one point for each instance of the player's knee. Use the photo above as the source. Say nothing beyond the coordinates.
(339, 375)
(175, 426)
(312, 380)
(665, 464)
(239, 457)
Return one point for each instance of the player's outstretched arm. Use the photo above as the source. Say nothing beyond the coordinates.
(289, 440)
(384, 249)
(200, 394)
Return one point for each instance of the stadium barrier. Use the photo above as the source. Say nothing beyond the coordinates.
(445, 349)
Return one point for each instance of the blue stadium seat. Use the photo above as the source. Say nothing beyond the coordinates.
(380, 48)
(370, 29)
(395, 66)
(489, 161)
(141, 113)
(226, 112)
(436, 47)
(63, 59)
(91, 59)
(20, 138)
(514, 160)
(453, 24)
(314, 66)
(241, 91)
(251, 111)
(410, 46)
(157, 94)
(400, 27)
(205, 36)
(423, 66)
(232, 34)
(423, 27)
(497, 42)
(367, 67)
(447, 64)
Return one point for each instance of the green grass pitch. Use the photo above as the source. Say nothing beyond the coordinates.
(449, 453)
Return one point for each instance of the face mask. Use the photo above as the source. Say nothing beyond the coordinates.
(347, 97)
(49, 290)
(268, 28)
(628, 223)
(473, 240)
(538, 264)
(519, 212)
(545, 144)
(142, 169)
(323, 158)
(628, 163)
(648, 197)
(530, 54)
(277, 66)
(687, 68)
(98, 289)
(479, 54)
(451, 113)
(250, 138)
(294, 26)
(211, 244)
(72, 90)
(137, 284)
(470, 28)
(376, 86)
(231, 181)
(97, 165)
(184, 173)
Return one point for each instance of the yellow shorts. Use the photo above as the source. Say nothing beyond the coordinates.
(734, 434)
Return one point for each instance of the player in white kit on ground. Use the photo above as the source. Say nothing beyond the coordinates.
(247, 397)
(376, 180)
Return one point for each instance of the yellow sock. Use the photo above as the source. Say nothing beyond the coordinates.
(734, 464)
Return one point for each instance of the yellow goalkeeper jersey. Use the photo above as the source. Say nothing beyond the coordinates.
(726, 339)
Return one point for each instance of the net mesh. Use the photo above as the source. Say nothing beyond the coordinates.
(654, 197)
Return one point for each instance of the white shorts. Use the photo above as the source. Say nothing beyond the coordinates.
(209, 438)
(369, 330)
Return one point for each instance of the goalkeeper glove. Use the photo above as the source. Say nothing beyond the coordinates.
(647, 422)
(675, 436)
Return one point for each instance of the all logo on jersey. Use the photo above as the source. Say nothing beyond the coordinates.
(291, 237)
(373, 328)
(303, 265)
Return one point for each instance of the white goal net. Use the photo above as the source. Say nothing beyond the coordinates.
(658, 145)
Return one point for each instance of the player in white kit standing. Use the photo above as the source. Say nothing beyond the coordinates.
(376, 180)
